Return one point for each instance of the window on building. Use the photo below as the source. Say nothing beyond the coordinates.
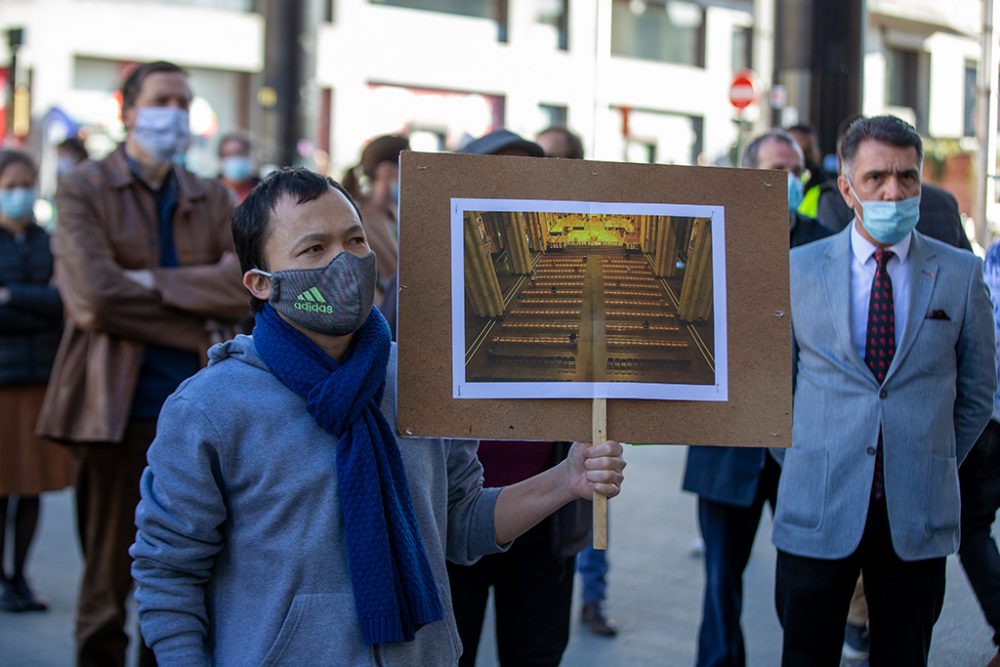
(659, 136)
(907, 83)
(555, 13)
(643, 152)
(901, 77)
(969, 125)
(495, 10)
(742, 48)
(671, 31)
(555, 114)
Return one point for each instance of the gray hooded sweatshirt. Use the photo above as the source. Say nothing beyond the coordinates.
(240, 556)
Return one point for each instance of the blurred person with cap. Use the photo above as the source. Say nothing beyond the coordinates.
(533, 581)
(374, 184)
(237, 171)
(149, 279)
(30, 323)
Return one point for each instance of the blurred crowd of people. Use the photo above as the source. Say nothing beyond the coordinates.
(106, 322)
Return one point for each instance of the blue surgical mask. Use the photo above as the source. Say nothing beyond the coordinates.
(796, 192)
(17, 203)
(888, 222)
(163, 132)
(237, 168)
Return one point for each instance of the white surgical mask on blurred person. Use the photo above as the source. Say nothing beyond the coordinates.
(163, 132)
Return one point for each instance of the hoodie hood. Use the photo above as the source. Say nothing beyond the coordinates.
(240, 348)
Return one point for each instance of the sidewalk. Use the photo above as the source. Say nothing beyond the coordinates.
(654, 587)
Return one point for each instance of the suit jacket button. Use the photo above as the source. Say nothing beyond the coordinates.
(883, 394)
(871, 451)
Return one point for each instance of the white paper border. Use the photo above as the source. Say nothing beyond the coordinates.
(634, 390)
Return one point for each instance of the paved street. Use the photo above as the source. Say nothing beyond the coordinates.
(655, 587)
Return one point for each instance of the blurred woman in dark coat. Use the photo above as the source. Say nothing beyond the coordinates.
(30, 324)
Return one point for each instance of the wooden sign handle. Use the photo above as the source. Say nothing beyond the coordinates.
(599, 435)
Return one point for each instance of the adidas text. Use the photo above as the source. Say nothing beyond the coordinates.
(314, 307)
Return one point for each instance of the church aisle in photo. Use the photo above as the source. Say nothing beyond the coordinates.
(588, 298)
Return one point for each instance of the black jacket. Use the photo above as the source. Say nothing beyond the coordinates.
(939, 216)
(805, 230)
(30, 324)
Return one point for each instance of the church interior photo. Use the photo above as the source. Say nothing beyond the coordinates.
(588, 297)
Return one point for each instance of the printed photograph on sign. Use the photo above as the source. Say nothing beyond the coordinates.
(562, 299)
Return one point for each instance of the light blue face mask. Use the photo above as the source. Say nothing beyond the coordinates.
(163, 132)
(796, 192)
(237, 168)
(17, 203)
(888, 222)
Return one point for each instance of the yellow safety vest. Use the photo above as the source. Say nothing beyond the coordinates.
(810, 203)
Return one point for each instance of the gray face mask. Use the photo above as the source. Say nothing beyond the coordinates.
(334, 300)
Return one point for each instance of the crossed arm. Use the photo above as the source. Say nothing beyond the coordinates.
(100, 295)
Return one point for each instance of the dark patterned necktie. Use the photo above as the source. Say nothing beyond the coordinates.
(880, 342)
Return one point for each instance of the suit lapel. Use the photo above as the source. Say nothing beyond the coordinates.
(922, 269)
(837, 276)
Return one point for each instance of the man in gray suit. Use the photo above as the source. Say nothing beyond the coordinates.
(894, 380)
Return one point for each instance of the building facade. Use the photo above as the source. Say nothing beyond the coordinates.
(640, 80)
(76, 52)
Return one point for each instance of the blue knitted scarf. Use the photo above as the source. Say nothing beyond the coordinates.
(394, 588)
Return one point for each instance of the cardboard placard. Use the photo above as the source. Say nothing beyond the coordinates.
(755, 340)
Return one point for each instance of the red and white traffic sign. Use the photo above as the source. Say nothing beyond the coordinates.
(743, 90)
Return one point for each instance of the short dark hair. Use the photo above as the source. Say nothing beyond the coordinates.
(75, 146)
(251, 220)
(10, 157)
(240, 138)
(751, 155)
(573, 142)
(132, 85)
(883, 129)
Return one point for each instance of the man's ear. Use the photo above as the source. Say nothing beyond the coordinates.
(845, 192)
(128, 118)
(258, 285)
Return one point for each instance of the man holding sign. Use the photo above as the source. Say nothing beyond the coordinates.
(894, 381)
(277, 497)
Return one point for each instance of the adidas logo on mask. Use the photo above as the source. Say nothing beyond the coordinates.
(312, 301)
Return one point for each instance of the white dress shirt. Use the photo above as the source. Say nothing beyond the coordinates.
(863, 273)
